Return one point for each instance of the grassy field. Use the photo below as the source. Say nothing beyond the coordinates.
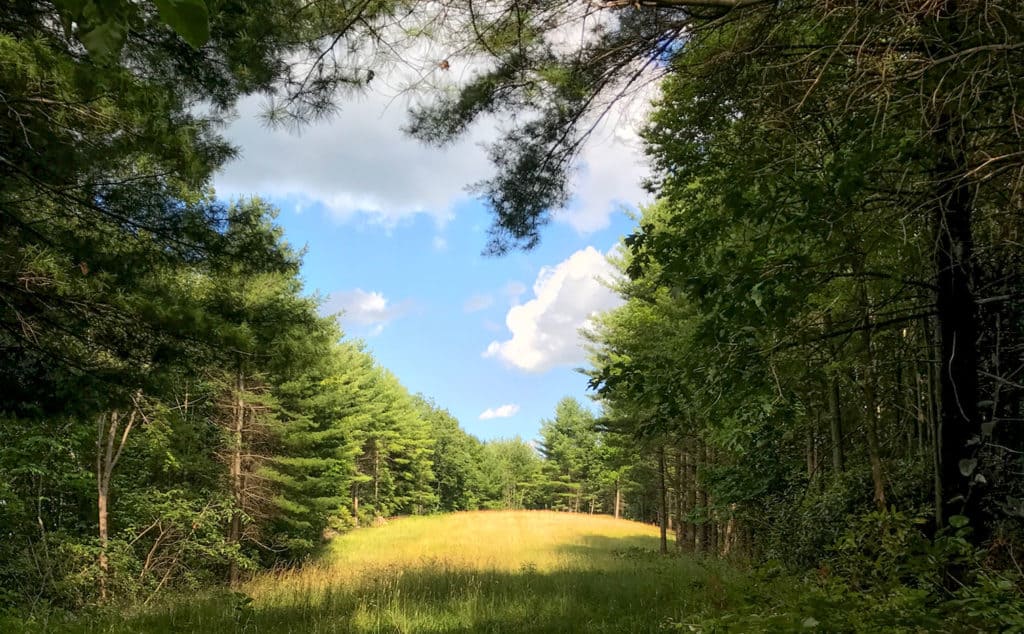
(468, 572)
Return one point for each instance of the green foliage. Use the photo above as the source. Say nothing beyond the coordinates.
(512, 474)
(884, 576)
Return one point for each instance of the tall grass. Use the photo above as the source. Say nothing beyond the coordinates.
(492, 571)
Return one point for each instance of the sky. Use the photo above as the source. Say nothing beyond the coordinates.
(394, 242)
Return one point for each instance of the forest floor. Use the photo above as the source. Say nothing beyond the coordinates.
(489, 571)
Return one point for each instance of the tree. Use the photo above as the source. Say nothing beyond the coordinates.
(920, 82)
(512, 470)
(570, 447)
(457, 458)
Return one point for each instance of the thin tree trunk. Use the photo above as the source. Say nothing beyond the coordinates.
(871, 401)
(935, 421)
(235, 527)
(691, 496)
(836, 425)
(103, 452)
(922, 412)
(376, 478)
(680, 487)
(107, 455)
(704, 528)
(618, 498)
(836, 412)
(662, 501)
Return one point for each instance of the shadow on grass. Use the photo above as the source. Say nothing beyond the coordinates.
(621, 585)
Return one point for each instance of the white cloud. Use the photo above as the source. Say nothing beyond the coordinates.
(364, 308)
(545, 330)
(478, 302)
(612, 168)
(440, 244)
(360, 166)
(504, 411)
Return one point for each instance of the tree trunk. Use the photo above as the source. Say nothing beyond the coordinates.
(835, 410)
(376, 478)
(107, 456)
(871, 400)
(355, 505)
(680, 492)
(703, 540)
(956, 315)
(235, 468)
(618, 497)
(836, 425)
(662, 501)
(691, 496)
(103, 451)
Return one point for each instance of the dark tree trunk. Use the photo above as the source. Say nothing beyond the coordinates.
(680, 494)
(871, 400)
(662, 501)
(836, 413)
(691, 497)
(704, 528)
(956, 315)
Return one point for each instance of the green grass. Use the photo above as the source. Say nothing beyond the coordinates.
(467, 572)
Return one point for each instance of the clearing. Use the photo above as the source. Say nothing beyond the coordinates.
(485, 571)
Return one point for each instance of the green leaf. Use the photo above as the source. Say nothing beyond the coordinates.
(188, 18)
(104, 39)
(958, 521)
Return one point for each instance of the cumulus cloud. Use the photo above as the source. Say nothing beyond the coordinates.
(360, 166)
(566, 297)
(503, 411)
(368, 309)
(610, 174)
(478, 303)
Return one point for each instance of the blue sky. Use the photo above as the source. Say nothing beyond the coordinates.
(394, 242)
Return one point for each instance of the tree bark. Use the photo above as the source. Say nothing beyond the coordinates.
(107, 456)
(103, 453)
(691, 496)
(235, 470)
(376, 478)
(703, 541)
(836, 412)
(871, 400)
(956, 316)
(618, 497)
(662, 501)
(680, 487)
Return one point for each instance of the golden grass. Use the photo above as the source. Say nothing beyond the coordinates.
(492, 541)
(491, 571)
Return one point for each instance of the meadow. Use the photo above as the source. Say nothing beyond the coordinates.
(485, 571)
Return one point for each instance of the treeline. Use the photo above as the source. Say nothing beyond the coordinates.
(175, 411)
(213, 451)
(822, 343)
(823, 335)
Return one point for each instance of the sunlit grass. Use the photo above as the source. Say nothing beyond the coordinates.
(468, 572)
